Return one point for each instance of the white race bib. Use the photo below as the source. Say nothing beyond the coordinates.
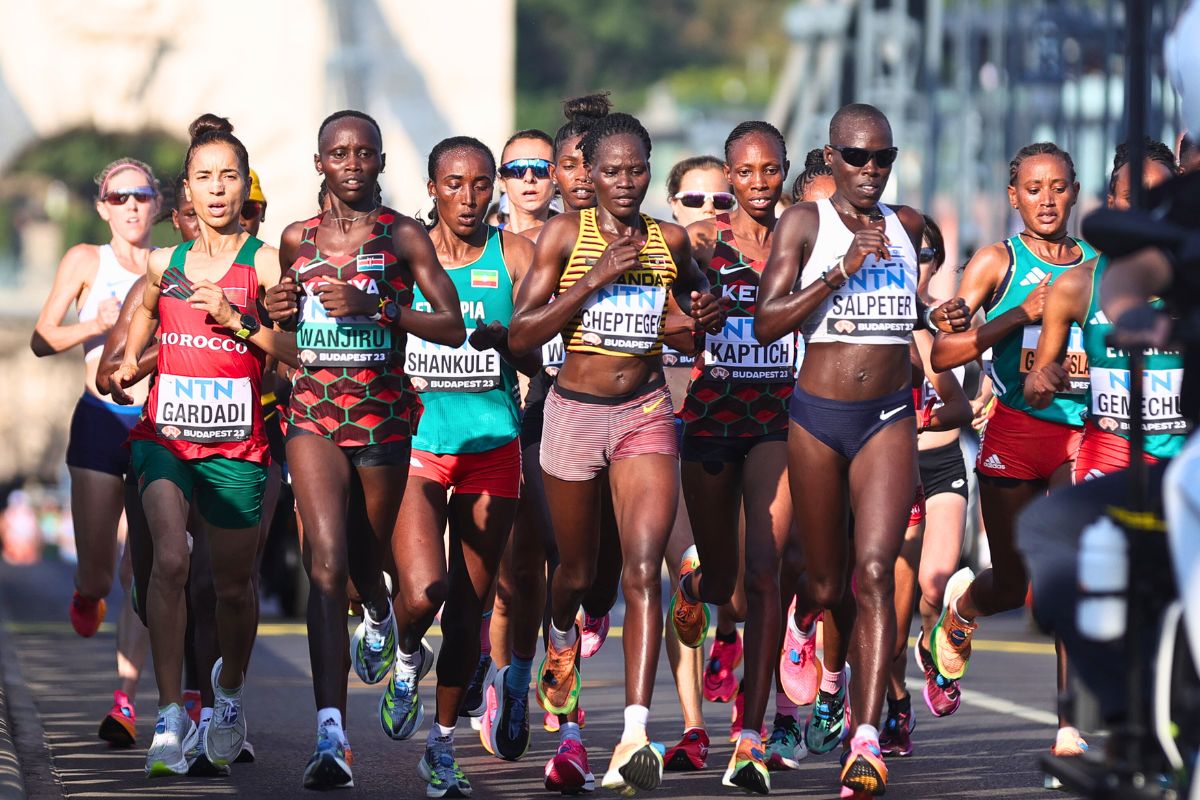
(623, 318)
(325, 341)
(1076, 362)
(204, 410)
(733, 354)
(1161, 406)
(553, 355)
(437, 368)
(878, 300)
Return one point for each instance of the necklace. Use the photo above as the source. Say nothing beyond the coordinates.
(874, 215)
(355, 218)
(1036, 238)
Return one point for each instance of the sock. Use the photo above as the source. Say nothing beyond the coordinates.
(408, 663)
(485, 634)
(728, 638)
(831, 680)
(569, 730)
(636, 718)
(205, 716)
(440, 733)
(329, 718)
(754, 736)
(785, 706)
(865, 731)
(901, 706)
(793, 628)
(563, 640)
(516, 681)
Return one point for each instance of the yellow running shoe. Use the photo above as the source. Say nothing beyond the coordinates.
(747, 769)
(951, 638)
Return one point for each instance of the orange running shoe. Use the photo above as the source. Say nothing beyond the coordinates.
(864, 773)
(951, 637)
(558, 684)
(1067, 744)
(690, 618)
(86, 614)
(119, 728)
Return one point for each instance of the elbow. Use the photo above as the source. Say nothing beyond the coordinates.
(518, 337)
(938, 359)
(40, 347)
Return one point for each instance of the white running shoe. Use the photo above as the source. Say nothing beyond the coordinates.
(227, 731)
(174, 735)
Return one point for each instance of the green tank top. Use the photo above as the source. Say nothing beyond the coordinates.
(470, 397)
(1012, 356)
(1163, 421)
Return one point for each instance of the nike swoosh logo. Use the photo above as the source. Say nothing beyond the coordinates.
(728, 268)
(890, 414)
(652, 406)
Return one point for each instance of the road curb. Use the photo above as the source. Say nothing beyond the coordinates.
(12, 784)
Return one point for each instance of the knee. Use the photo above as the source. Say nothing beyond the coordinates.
(875, 578)
(233, 589)
(328, 576)
(171, 566)
(762, 580)
(425, 599)
(639, 578)
(574, 579)
(826, 590)
(933, 587)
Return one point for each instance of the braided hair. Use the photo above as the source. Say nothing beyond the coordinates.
(1155, 151)
(1038, 149)
(450, 145)
(581, 113)
(619, 124)
(745, 129)
(347, 114)
(814, 167)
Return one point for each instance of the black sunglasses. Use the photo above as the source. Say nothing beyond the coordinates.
(722, 201)
(119, 197)
(517, 167)
(858, 157)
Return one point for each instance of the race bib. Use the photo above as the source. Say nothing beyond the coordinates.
(204, 410)
(1161, 408)
(437, 368)
(878, 300)
(735, 355)
(1076, 362)
(623, 318)
(325, 341)
(673, 358)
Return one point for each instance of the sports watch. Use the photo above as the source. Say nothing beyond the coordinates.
(250, 326)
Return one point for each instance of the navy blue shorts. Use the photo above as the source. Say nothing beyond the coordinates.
(99, 431)
(846, 426)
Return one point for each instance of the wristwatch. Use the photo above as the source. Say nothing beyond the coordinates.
(388, 313)
(250, 326)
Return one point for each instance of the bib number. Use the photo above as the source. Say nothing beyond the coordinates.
(623, 318)
(1161, 407)
(325, 341)
(437, 368)
(204, 410)
(1076, 363)
(735, 355)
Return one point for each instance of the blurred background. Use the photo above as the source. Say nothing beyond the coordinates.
(964, 82)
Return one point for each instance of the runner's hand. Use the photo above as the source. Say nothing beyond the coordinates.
(980, 408)
(489, 336)
(107, 313)
(343, 300)
(283, 300)
(122, 377)
(1142, 326)
(1034, 304)
(207, 296)
(952, 316)
(708, 311)
(619, 257)
(867, 242)
(1044, 383)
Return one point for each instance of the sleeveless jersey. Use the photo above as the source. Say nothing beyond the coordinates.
(878, 305)
(470, 396)
(1163, 421)
(205, 400)
(1012, 356)
(739, 387)
(111, 281)
(624, 318)
(351, 386)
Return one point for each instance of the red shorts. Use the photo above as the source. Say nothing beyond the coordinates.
(917, 515)
(1102, 453)
(496, 473)
(1022, 447)
(583, 434)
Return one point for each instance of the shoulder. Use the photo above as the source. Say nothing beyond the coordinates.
(293, 234)
(1077, 279)
(559, 231)
(675, 235)
(82, 260)
(266, 260)
(991, 259)
(532, 233)
(910, 218)
(799, 219)
(516, 244)
(160, 259)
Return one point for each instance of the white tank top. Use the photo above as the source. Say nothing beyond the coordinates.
(112, 280)
(878, 305)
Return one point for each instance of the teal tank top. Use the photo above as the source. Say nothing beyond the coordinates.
(470, 397)
(1012, 356)
(1163, 422)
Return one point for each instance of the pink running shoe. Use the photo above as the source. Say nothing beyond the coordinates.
(720, 684)
(550, 721)
(567, 770)
(690, 754)
(490, 711)
(799, 667)
(592, 631)
(941, 693)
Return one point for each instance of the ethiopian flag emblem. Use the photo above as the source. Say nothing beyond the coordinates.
(485, 279)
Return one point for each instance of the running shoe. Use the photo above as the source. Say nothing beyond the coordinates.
(941, 693)
(441, 772)
(592, 631)
(174, 735)
(799, 667)
(119, 728)
(829, 722)
(198, 764)
(739, 715)
(635, 765)
(720, 684)
(247, 754)
(567, 771)
(488, 720)
(786, 747)
(475, 702)
(896, 737)
(690, 754)
(863, 772)
(329, 767)
(373, 647)
(951, 638)
(747, 769)
(510, 727)
(550, 723)
(400, 709)
(1067, 744)
(226, 732)
(690, 618)
(86, 614)
(192, 704)
(558, 686)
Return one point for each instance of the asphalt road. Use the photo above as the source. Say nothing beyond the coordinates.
(59, 686)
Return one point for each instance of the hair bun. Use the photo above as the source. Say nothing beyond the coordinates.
(588, 106)
(208, 123)
(815, 158)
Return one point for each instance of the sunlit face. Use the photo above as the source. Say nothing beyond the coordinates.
(216, 186)
(1044, 194)
(572, 175)
(528, 192)
(133, 220)
(184, 219)
(1153, 173)
(755, 171)
(704, 179)
(862, 186)
(351, 159)
(463, 189)
(621, 174)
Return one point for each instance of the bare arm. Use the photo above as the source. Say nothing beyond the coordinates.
(142, 327)
(113, 354)
(75, 273)
(955, 411)
(444, 324)
(781, 310)
(1066, 302)
(518, 255)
